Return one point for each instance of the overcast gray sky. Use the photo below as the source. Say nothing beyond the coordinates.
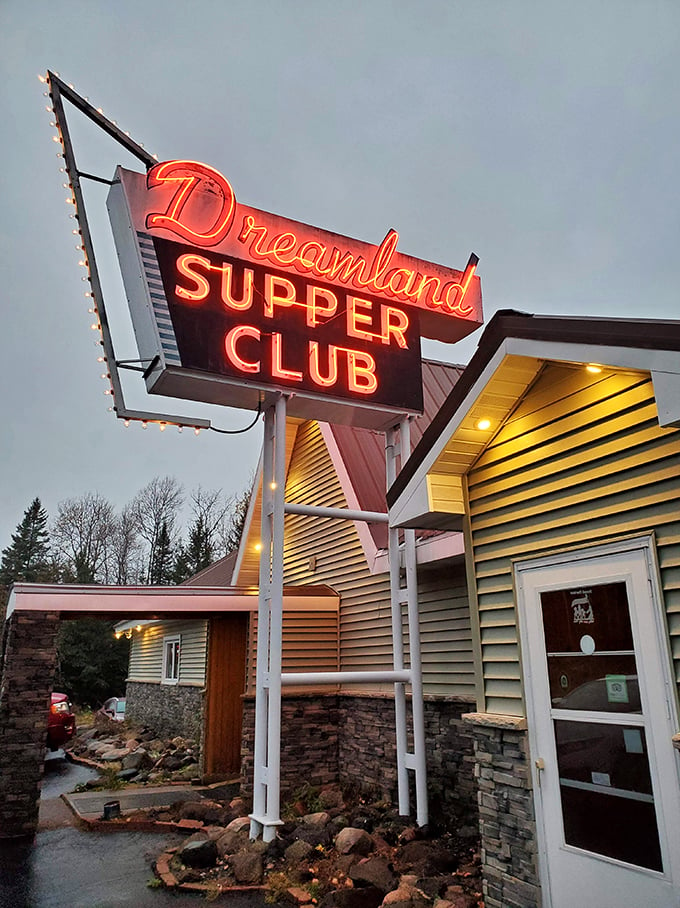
(542, 136)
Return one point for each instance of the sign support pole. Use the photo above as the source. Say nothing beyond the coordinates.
(267, 750)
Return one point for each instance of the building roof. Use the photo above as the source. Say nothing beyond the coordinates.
(220, 573)
(643, 344)
(362, 451)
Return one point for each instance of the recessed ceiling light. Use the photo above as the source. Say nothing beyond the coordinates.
(484, 424)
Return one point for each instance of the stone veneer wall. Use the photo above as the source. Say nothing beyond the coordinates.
(506, 811)
(351, 740)
(367, 752)
(168, 709)
(309, 741)
(28, 663)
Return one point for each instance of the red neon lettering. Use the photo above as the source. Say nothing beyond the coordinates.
(188, 175)
(277, 367)
(456, 305)
(202, 287)
(313, 294)
(361, 372)
(394, 322)
(354, 317)
(278, 291)
(324, 381)
(230, 342)
(246, 300)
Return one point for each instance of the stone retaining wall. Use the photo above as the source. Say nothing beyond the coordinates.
(28, 665)
(351, 740)
(167, 709)
(506, 811)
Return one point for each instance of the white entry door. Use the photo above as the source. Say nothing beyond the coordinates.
(601, 713)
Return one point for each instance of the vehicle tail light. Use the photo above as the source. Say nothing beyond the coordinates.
(62, 707)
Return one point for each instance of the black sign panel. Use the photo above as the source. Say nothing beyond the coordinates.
(281, 330)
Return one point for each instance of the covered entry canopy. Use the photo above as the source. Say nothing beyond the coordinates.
(158, 602)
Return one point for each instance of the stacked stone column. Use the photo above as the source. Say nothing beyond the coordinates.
(28, 665)
(506, 811)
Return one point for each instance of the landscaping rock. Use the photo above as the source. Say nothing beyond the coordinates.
(137, 759)
(247, 868)
(373, 872)
(239, 824)
(298, 851)
(366, 897)
(199, 853)
(231, 841)
(353, 841)
(115, 755)
(316, 820)
(209, 812)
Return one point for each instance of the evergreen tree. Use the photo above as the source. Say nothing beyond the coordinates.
(27, 557)
(161, 569)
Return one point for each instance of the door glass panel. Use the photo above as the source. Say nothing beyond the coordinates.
(589, 645)
(606, 791)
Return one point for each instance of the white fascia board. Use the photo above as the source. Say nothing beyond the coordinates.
(638, 359)
(429, 550)
(416, 494)
(243, 542)
(182, 601)
(667, 394)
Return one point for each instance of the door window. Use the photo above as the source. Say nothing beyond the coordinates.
(604, 775)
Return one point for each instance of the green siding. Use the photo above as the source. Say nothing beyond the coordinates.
(581, 460)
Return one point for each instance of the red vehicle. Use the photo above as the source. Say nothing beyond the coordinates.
(61, 723)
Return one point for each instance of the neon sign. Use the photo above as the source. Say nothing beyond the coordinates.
(231, 299)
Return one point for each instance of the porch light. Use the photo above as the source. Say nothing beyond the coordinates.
(594, 368)
(484, 424)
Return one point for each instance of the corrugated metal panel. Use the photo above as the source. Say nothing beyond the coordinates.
(319, 550)
(146, 652)
(581, 460)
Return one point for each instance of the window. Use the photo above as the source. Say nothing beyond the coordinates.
(170, 660)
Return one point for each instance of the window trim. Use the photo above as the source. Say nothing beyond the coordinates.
(171, 640)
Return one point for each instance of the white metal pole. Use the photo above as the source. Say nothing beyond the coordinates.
(397, 636)
(417, 705)
(276, 626)
(260, 772)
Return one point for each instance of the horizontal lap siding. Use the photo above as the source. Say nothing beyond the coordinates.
(365, 610)
(146, 652)
(581, 461)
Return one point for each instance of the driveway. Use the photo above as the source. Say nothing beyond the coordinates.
(66, 867)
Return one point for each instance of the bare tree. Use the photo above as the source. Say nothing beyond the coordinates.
(80, 537)
(125, 550)
(155, 506)
(232, 529)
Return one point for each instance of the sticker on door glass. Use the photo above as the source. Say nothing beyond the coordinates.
(601, 778)
(582, 607)
(632, 741)
(617, 688)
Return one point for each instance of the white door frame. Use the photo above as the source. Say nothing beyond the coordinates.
(638, 544)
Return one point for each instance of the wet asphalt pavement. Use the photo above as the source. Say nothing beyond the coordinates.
(66, 867)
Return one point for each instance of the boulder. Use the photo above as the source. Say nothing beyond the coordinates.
(298, 851)
(373, 871)
(316, 820)
(231, 841)
(138, 759)
(353, 841)
(212, 813)
(239, 824)
(199, 853)
(247, 868)
(366, 897)
(114, 755)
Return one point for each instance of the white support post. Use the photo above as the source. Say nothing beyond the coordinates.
(397, 636)
(267, 748)
(417, 706)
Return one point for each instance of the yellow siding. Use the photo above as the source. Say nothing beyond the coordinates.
(321, 550)
(146, 652)
(581, 460)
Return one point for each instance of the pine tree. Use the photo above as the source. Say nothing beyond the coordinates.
(161, 569)
(27, 557)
